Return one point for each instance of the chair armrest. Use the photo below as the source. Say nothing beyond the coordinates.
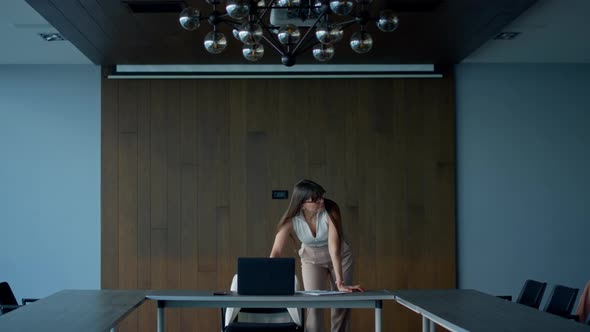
(28, 300)
(505, 297)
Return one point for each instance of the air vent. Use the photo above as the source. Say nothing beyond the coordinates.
(52, 36)
(156, 7)
(507, 35)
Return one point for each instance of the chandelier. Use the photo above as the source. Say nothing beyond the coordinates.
(290, 27)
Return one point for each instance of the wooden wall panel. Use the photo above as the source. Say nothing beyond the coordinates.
(188, 169)
(238, 170)
(128, 217)
(146, 313)
(109, 251)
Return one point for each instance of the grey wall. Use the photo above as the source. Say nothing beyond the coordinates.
(523, 142)
(49, 178)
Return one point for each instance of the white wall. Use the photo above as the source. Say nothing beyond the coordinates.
(49, 178)
(523, 172)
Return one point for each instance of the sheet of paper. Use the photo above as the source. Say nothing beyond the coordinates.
(320, 292)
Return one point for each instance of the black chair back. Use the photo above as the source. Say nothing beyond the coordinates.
(531, 293)
(562, 301)
(7, 298)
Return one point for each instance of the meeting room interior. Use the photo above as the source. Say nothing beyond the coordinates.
(147, 145)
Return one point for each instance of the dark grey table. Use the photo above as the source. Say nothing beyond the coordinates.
(470, 310)
(74, 310)
(186, 298)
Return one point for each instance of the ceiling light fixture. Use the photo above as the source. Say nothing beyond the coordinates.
(290, 27)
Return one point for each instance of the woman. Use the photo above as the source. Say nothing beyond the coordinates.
(325, 256)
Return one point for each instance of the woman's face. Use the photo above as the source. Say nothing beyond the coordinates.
(312, 205)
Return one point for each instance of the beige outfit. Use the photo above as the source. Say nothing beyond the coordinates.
(316, 267)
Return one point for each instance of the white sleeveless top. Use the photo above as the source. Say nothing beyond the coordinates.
(304, 232)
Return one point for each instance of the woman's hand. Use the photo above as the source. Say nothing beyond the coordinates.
(348, 289)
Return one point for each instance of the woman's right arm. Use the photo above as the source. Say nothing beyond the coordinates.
(281, 239)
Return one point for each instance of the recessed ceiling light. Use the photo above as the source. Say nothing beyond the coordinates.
(52, 36)
(506, 35)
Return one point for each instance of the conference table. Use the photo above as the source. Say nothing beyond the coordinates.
(74, 311)
(461, 310)
(457, 310)
(196, 299)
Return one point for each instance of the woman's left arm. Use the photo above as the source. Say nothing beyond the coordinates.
(334, 248)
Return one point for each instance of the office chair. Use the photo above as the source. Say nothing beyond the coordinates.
(261, 319)
(531, 294)
(8, 301)
(562, 301)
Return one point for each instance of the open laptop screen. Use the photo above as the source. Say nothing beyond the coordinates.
(266, 276)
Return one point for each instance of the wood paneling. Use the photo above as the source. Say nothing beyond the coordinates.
(188, 168)
(109, 275)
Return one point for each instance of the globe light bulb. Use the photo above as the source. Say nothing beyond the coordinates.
(387, 21)
(327, 34)
(253, 52)
(289, 34)
(323, 52)
(361, 42)
(336, 34)
(189, 19)
(250, 33)
(289, 3)
(238, 9)
(341, 7)
(215, 42)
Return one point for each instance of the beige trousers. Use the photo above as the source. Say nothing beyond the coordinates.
(317, 269)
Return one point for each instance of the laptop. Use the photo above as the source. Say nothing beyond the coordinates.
(266, 276)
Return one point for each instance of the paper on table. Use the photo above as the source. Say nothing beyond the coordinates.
(321, 292)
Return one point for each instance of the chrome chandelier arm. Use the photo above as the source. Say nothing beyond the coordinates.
(272, 44)
(308, 31)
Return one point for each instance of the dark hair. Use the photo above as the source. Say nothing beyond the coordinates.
(307, 189)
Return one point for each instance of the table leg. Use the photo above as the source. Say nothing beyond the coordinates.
(378, 309)
(426, 324)
(432, 326)
(160, 316)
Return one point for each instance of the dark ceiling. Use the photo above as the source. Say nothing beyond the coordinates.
(110, 32)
